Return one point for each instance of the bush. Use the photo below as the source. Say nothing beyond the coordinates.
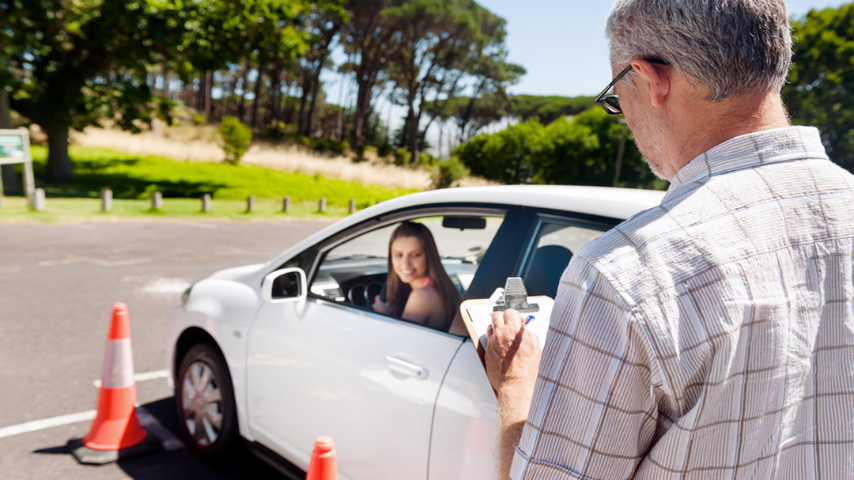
(200, 119)
(402, 157)
(447, 172)
(276, 132)
(426, 160)
(235, 138)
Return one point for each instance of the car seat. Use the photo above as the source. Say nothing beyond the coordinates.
(543, 274)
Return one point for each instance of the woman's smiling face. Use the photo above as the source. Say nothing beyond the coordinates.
(408, 259)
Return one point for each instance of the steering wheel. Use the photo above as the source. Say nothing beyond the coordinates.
(362, 295)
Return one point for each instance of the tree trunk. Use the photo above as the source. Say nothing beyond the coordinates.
(273, 94)
(200, 94)
(302, 129)
(363, 99)
(313, 106)
(58, 161)
(165, 74)
(208, 94)
(241, 107)
(411, 128)
(257, 99)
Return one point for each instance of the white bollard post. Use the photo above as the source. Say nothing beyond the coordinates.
(352, 206)
(321, 206)
(38, 200)
(206, 202)
(286, 205)
(106, 200)
(250, 204)
(157, 201)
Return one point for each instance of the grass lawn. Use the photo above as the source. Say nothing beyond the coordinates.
(133, 178)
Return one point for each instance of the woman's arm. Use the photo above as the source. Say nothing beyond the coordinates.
(423, 306)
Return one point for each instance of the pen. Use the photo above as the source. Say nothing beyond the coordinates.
(528, 320)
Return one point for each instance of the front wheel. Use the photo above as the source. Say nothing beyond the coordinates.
(204, 396)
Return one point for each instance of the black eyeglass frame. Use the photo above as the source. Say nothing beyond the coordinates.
(611, 103)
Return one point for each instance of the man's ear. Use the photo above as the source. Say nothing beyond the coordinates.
(657, 80)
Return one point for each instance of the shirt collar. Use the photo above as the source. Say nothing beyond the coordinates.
(768, 146)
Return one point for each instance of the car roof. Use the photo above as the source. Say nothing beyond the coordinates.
(619, 203)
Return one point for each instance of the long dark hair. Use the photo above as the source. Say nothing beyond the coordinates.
(398, 292)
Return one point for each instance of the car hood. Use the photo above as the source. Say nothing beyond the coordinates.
(239, 274)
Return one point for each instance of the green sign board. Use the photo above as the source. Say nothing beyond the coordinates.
(11, 146)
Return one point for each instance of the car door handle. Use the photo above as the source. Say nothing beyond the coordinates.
(405, 368)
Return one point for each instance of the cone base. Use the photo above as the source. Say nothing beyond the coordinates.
(88, 456)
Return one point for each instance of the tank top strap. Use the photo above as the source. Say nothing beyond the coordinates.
(425, 282)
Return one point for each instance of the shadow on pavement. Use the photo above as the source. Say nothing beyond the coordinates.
(176, 461)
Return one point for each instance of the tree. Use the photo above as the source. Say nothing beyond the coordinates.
(323, 26)
(492, 75)
(74, 63)
(547, 108)
(578, 151)
(821, 82)
(367, 38)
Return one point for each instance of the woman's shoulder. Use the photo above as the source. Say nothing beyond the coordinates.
(428, 292)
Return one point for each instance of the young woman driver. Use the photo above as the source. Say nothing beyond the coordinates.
(418, 288)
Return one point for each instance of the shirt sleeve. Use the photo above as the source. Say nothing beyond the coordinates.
(593, 414)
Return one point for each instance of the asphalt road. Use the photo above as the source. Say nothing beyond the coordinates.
(57, 287)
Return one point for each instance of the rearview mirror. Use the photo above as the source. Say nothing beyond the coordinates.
(286, 285)
(464, 223)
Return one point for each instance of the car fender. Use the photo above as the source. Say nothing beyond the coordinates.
(223, 309)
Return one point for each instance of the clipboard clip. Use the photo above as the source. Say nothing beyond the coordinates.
(514, 295)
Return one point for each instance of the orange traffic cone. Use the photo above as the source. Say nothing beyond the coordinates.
(323, 465)
(115, 433)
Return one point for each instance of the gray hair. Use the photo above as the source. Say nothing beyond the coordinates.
(733, 47)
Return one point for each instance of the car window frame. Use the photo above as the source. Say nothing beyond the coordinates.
(320, 250)
(536, 215)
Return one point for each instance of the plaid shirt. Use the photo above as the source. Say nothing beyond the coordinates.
(711, 336)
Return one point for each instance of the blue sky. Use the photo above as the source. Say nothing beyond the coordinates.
(562, 42)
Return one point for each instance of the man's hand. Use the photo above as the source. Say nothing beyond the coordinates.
(512, 353)
(512, 362)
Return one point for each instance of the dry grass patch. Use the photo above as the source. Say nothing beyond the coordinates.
(198, 144)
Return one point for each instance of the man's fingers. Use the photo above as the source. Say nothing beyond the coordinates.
(498, 319)
(512, 317)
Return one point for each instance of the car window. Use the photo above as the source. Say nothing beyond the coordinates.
(355, 271)
(554, 242)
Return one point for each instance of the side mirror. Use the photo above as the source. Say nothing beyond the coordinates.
(286, 285)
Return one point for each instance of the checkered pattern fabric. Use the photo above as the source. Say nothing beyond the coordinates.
(712, 336)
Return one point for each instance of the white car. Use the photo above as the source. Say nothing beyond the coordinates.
(279, 353)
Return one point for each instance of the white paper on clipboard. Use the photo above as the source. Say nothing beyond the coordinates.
(480, 313)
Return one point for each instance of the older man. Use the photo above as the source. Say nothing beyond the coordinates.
(712, 336)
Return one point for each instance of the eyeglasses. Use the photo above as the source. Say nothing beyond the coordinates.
(611, 103)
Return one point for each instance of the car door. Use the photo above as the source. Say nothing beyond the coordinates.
(538, 250)
(331, 366)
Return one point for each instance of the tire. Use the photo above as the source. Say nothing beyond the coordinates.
(207, 417)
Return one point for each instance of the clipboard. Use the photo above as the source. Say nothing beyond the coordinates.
(477, 313)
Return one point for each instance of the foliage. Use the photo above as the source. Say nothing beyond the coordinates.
(402, 157)
(71, 64)
(130, 176)
(333, 147)
(580, 151)
(447, 172)
(236, 138)
(821, 82)
(426, 160)
(547, 108)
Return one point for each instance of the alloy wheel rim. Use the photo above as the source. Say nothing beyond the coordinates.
(201, 403)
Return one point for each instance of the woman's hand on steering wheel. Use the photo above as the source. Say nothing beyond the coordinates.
(380, 306)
